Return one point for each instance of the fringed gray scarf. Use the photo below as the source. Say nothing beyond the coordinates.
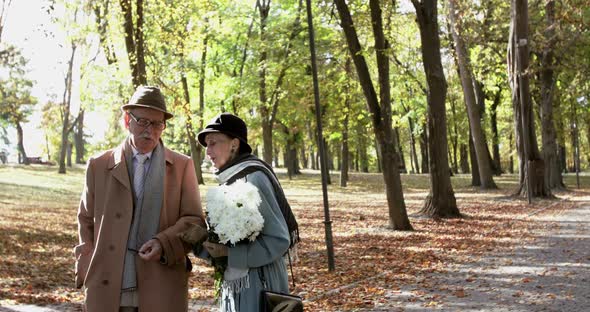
(248, 163)
(146, 210)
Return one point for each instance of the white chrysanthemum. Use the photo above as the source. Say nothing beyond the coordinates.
(233, 211)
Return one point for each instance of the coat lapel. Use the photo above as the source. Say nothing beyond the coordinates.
(118, 167)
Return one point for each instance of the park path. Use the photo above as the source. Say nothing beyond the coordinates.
(551, 273)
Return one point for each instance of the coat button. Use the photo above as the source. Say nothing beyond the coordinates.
(111, 247)
(118, 215)
(105, 282)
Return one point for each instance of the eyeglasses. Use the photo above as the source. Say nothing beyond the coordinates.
(145, 123)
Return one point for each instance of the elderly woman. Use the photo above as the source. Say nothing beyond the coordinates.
(250, 263)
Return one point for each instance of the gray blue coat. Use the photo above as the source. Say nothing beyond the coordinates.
(266, 253)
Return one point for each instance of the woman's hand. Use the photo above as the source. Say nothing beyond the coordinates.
(216, 250)
(194, 234)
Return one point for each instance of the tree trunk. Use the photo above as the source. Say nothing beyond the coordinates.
(290, 151)
(414, 155)
(275, 156)
(329, 162)
(485, 170)
(475, 181)
(440, 203)
(345, 159)
(402, 159)
(511, 161)
(79, 138)
(379, 106)
(139, 43)
(3, 9)
(553, 177)
(269, 106)
(292, 163)
(344, 149)
(20, 144)
(101, 12)
(378, 152)
(495, 136)
(201, 112)
(362, 150)
(532, 166)
(134, 42)
(329, 155)
(190, 132)
(454, 138)
(424, 150)
(464, 155)
(65, 113)
(69, 154)
(415, 167)
(561, 150)
(310, 149)
(303, 156)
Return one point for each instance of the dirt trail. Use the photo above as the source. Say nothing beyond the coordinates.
(550, 274)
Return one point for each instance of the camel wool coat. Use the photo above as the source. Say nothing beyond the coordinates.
(104, 218)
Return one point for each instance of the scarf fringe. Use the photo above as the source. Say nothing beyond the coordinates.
(293, 253)
(237, 285)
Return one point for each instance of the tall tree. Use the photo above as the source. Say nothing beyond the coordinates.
(441, 202)
(553, 178)
(484, 166)
(134, 41)
(79, 137)
(65, 109)
(494, 125)
(424, 149)
(101, 15)
(532, 167)
(15, 94)
(268, 106)
(4, 5)
(345, 152)
(379, 106)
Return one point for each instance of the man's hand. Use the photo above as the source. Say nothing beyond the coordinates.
(216, 250)
(151, 250)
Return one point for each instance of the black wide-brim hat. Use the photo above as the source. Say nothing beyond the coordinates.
(148, 97)
(230, 125)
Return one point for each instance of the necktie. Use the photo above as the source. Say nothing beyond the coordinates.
(139, 175)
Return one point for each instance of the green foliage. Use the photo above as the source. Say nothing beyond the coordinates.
(16, 102)
(178, 33)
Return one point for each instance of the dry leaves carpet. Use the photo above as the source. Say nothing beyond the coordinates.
(38, 227)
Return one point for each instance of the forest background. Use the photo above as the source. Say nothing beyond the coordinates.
(252, 58)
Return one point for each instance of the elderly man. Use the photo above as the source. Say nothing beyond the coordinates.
(137, 198)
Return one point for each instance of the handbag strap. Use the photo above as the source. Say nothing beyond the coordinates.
(261, 273)
(291, 267)
(263, 280)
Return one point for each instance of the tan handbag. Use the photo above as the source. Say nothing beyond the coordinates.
(271, 301)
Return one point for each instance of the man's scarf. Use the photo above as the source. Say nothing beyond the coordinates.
(146, 212)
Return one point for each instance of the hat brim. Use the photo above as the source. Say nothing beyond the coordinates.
(167, 115)
(244, 146)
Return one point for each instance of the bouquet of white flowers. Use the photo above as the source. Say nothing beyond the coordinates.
(233, 212)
